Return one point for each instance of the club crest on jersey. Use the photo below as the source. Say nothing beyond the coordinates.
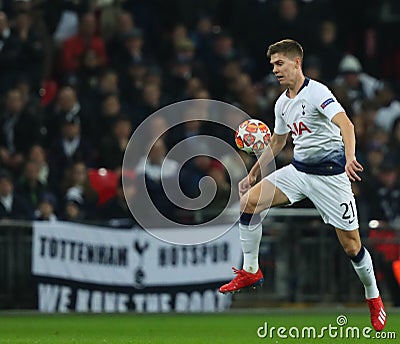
(327, 102)
(298, 128)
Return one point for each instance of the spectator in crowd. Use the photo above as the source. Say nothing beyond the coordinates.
(19, 130)
(180, 72)
(383, 193)
(313, 67)
(111, 110)
(223, 51)
(202, 36)
(93, 98)
(89, 72)
(114, 145)
(30, 185)
(133, 51)
(290, 22)
(154, 76)
(132, 82)
(250, 102)
(37, 154)
(70, 147)
(238, 83)
(157, 128)
(184, 65)
(46, 208)
(8, 54)
(109, 82)
(75, 47)
(374, 158)
(31, 49)
(73, 209)
(359, 86)
(389, 108)
(109, 14)
(177, 33)
(79, 190)
(116, 43)
(150, 102)
(327, 51)
(68, 104)
(31, 99)
(193, 85)
(152, 167)
(188, 136)
(12, 204)
(189, 128)
(231, 73)
(184, 50)
(200, 166)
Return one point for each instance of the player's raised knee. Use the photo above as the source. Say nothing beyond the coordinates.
(249, 202)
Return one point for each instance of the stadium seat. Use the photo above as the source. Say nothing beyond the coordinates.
(49, 92)
(396, 270)
(104, 182)
(385, 243)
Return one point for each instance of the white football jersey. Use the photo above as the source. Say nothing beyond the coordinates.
(308, 116)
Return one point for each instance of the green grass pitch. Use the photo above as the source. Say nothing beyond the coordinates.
(231, 328)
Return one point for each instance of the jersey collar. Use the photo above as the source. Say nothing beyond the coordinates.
(305, 83)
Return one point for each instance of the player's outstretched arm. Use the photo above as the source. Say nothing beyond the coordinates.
(276, 145)
(349, 139)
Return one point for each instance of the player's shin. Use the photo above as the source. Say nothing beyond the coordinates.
(250, 228)
(362, 264)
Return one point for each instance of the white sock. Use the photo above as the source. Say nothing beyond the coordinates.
(365, 272)
(250, 238)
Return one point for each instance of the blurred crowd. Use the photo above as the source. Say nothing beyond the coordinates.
(79, 76)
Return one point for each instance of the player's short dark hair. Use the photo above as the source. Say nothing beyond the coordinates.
(288, 47)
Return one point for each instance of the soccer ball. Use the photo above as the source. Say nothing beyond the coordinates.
(252, 136)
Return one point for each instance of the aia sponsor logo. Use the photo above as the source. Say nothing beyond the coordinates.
(297, 129)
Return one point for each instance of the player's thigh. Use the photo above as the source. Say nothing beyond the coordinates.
(262, 196)
(284, 186)
(334, 199)
(350, 241)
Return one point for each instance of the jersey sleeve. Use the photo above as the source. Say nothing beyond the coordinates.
(325, 102)
(280, 125)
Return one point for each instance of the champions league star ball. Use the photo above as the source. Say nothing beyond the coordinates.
(252, 136)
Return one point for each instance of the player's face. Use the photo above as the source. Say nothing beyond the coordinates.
(286, 69)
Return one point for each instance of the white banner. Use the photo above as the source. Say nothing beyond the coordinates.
(82, 253)
(166, 264)
(133, 257)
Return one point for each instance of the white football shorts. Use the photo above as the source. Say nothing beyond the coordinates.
(331, 195)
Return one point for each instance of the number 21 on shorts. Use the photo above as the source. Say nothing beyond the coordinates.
(348, 211)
